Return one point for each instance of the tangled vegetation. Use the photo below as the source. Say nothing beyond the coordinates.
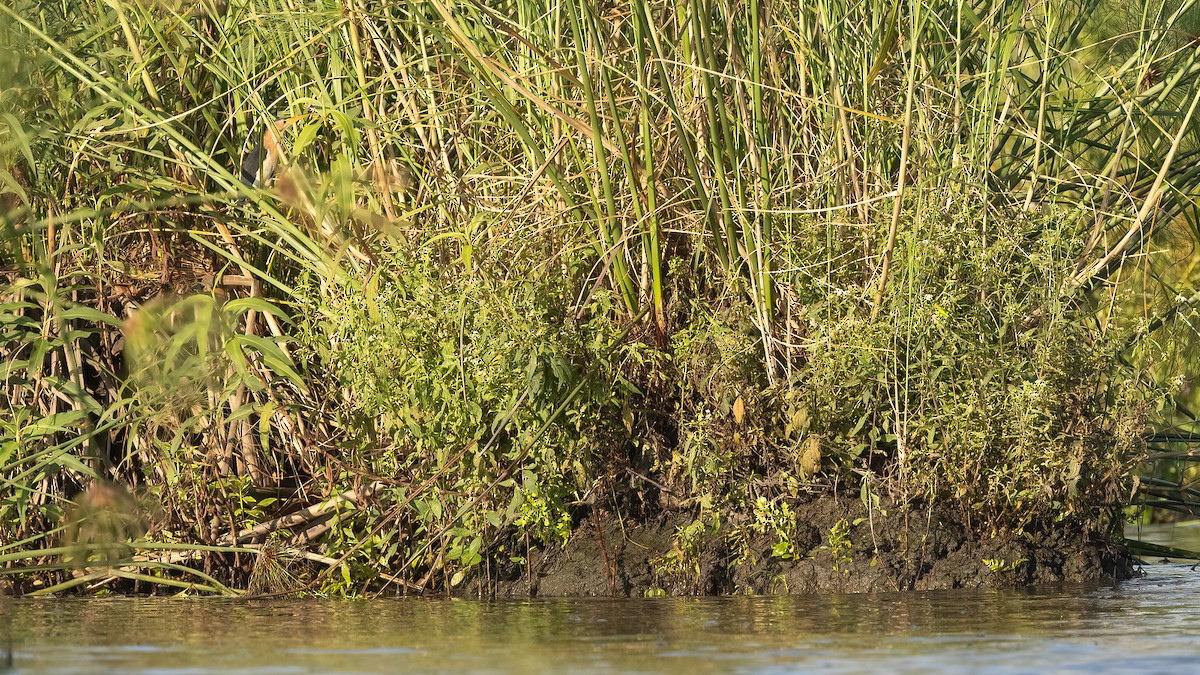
(527, 259)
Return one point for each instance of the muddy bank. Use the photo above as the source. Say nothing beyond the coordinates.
(836, 546)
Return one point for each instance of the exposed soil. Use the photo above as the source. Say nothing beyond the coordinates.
(902, 550)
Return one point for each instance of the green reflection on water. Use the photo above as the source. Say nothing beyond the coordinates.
(1184, 535)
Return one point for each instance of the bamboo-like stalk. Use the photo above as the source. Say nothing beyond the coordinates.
(898, 204)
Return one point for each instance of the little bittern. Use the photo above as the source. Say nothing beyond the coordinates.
(260, 163)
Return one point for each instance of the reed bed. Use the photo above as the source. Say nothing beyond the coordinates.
(521, 260)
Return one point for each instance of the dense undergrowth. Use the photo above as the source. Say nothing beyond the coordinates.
(525, 259)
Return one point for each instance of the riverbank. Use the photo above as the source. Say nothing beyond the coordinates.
(636, 279)
(837, 547)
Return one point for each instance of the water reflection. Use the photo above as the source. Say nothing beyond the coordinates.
(1184, 535)
(6, 634)
(1151, 624)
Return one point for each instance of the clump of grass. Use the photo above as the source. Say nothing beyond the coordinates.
(272, 574)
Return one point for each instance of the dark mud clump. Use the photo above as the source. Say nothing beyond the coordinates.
(836, 546)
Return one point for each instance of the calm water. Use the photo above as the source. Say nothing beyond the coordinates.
(1148, 625)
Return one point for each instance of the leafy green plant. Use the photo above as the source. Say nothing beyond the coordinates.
(1002, 566)
(543, 512)
(776, 519)
(683, 560)
(840, 547)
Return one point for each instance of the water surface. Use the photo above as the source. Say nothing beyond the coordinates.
(1185, 535)
(1146, 625)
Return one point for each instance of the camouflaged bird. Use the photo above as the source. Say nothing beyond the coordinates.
(260, 163)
